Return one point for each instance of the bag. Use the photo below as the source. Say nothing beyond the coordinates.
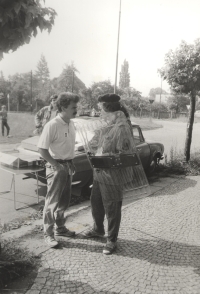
(117, 161)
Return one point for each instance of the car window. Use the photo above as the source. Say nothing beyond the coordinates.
(137, 135)
(88, 136)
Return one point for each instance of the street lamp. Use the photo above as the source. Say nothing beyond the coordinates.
(151, 100)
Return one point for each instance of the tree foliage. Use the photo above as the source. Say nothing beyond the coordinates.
(178, 102)
(155, 91)
(20, 21)
(124, 81)
(68, 80)
(42, 71)
(182, 72)
(90, 95)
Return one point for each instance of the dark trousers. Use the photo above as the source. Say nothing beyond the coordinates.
(4, 124)
(101, 207)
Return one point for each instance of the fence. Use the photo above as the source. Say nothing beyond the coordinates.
(158, 114)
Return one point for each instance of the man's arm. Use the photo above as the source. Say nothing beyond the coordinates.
(39, 117)
(46, 155)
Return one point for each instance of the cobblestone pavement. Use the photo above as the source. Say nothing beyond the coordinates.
(158, 251)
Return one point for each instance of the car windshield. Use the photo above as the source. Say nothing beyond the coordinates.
(89, 134)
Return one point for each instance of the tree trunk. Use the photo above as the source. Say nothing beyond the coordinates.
(190, 126)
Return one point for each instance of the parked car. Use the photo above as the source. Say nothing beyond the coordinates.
(150, 154)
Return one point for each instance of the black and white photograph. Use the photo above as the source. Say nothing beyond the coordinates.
(99, 147)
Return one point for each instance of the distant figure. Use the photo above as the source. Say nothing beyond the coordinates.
(4, 122)
(45, 114)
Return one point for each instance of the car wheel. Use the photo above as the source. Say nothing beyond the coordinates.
(153, 165)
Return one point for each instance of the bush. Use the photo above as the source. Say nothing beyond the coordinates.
(176, 163)
(15, 262)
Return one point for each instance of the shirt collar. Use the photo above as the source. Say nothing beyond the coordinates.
(61, 120)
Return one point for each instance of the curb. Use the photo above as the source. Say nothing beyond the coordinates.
(73, 210)
(23, 230)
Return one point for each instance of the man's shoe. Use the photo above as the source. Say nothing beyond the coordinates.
(109, 248)
(92, 234)
(64, 232)
(50, 241)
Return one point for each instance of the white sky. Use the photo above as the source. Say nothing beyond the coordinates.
(85, 32)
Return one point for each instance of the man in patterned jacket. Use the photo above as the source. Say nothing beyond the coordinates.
(45, 114)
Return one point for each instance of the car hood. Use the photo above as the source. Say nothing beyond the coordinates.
(155, 144)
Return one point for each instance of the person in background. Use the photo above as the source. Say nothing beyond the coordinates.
(57, 146)
(45, 114)
(4, 123)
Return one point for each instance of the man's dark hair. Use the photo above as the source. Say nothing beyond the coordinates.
(65, 98)
(55, 96)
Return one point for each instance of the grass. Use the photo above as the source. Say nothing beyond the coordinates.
(176, 164)
(22, 126)
(15, 262)
(146, 123)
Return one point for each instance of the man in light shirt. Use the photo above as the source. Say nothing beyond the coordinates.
(57, 146)
(45, 114)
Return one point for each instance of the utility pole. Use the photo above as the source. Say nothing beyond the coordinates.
(72, 81)
(115, 86)
(160, 90)
(8, 96)
(31, 92)
(160, 98)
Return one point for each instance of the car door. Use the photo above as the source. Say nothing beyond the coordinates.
(142, 147)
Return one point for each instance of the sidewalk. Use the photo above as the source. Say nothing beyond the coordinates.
(158, 247)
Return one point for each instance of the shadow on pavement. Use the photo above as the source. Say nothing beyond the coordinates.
(176, 187)
(158, 251)
(161, 252)
(67, 284)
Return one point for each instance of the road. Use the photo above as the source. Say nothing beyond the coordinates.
(173, 134)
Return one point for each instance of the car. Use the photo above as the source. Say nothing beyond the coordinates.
(150, 154)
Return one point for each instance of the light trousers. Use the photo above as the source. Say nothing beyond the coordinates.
(57, 198)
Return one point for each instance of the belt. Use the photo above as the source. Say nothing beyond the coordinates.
(63, 160)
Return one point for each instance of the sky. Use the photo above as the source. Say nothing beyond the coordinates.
(86, 31)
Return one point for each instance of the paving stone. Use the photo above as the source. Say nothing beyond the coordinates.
(158, 249)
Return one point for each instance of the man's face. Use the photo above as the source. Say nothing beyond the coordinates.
(53, 102)
(70, 111)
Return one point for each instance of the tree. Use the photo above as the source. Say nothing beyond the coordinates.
(41, 78)
(3, 88)
(124, 81)
(20, 21)
(20, 91)
(182, 72)
(42, 71)
(155, 91)
(90, 95)
(68, 80)
(178, 102)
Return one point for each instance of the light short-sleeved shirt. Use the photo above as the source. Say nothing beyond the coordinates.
(59, 138)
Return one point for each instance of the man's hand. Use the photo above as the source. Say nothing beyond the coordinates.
(73, 168)
(58, 166)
